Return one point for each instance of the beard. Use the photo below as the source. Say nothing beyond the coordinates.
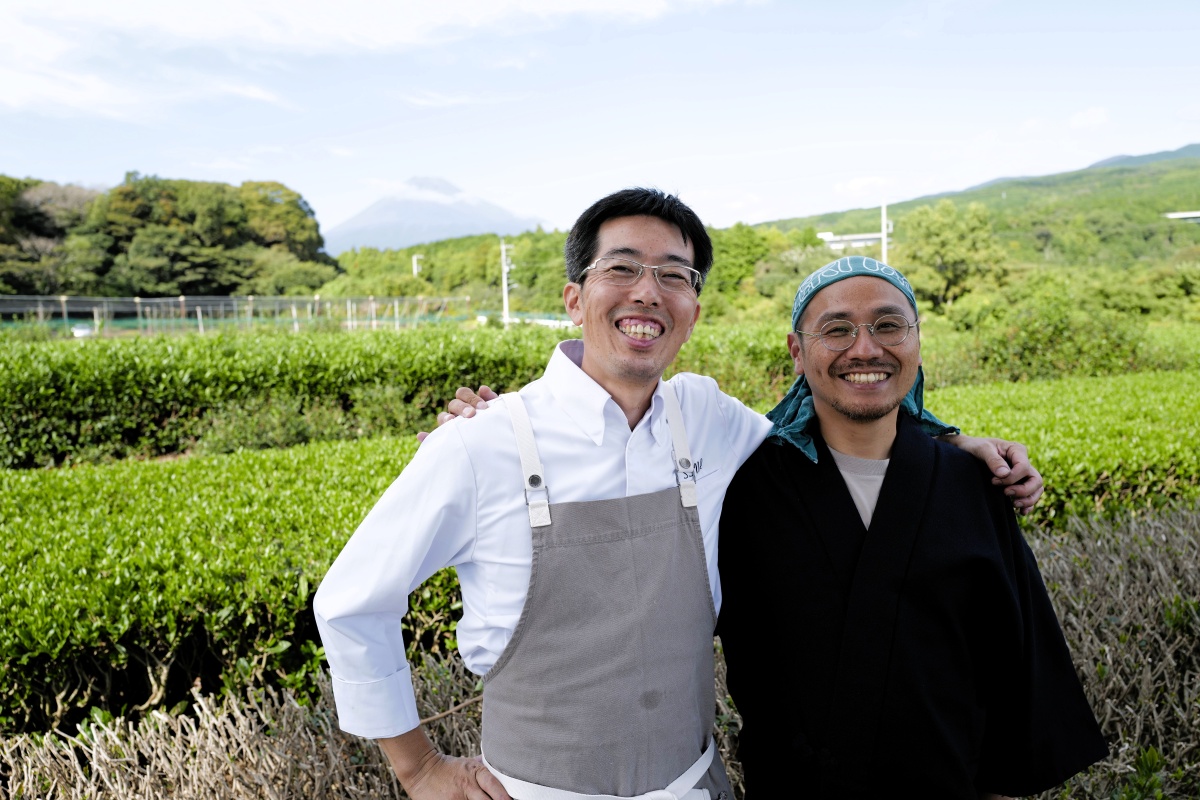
(865, 413)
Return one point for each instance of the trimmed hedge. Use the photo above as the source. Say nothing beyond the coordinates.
(79, 402)
(122, 584)
(1104, 445)
(66, 400)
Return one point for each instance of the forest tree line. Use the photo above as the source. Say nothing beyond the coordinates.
(1097, 236)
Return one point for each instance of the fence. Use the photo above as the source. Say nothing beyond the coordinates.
(108, 316)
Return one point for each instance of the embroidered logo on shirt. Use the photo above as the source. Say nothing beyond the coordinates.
(691, 474)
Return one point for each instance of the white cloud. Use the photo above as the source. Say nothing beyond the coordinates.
(298, 25)
(341, 152)
(62, 89)
(430, 190)
(49, 51)
(1090, 118)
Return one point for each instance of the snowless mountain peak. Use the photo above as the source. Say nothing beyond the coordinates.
(424, 209)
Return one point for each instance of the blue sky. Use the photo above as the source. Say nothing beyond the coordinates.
(751, 111)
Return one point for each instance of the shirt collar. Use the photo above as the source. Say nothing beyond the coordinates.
(584, 400)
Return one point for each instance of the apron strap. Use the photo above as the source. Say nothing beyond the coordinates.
(537, 495)
(682, 788)
(685, 472)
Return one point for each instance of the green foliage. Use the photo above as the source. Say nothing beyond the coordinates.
(69, 401)
(64, 401)
(152, 237)
(736, 252)
(1104, 445)
(948, 247)
(34, 217)
(1146, 783)
(780, 275)
(277, 271)
(1109, 216)
(1055, 337)
(267, 422)
(468, 265)
(278, 217)
(204, 567)
(121, 585)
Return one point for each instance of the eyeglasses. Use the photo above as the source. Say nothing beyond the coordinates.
(624, 272)
(839, 334)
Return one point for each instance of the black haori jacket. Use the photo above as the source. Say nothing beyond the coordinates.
(921, 655)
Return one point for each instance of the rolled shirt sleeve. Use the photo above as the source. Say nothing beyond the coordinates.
(424, 522)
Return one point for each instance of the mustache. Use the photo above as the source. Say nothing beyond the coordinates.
(869, 363)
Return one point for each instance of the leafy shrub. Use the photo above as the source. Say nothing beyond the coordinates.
(76, 402)
(151, 396)
(120, 585)
(1105, 445)
(1056, 338)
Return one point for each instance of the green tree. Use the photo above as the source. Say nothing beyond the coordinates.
(276, 271)
(736, 251)
(952, 246)
(276, 215)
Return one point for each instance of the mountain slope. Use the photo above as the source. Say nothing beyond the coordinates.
(1147, 186)
(426, 210)
(1187, 151)
(1110, 215)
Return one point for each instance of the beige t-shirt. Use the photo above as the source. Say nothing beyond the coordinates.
(864, 479)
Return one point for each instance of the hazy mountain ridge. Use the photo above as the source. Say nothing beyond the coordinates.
(426, 210)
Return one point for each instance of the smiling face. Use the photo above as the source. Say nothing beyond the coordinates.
(632, 333)
(867, 382)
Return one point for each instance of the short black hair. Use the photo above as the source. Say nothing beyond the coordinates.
(580, 248)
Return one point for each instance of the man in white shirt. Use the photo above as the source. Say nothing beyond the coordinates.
(581, 516)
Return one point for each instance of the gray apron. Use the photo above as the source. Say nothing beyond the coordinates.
(606, 687)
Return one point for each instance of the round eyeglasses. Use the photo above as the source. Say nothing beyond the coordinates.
(626, 272)
(839, 334)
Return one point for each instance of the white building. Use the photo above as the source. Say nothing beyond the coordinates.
(1186, 216)
(853, 240)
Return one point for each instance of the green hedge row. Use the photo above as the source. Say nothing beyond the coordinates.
(1104, 445)
(71, 402)
(121, 584)
(149, 395)
(78, 402)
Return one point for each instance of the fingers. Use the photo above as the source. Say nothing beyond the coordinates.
(470, 399)
(1023, 485)
(1017, 457)
(457, 408)
(421, 436)
(988, 451)
(998, 465)
(486, 393)
(489, 783)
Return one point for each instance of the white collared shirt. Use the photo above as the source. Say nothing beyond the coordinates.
(460, 502)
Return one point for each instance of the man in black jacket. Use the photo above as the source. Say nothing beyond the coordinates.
(888, 578)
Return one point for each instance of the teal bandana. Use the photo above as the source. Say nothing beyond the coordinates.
(795, 413)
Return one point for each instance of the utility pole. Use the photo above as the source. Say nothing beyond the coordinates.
(416, 261)
(883, 230)
(505, 266)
